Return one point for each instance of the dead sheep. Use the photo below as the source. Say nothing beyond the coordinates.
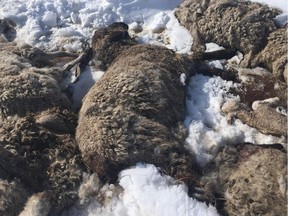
(274, 56)
(40, 150)
(241, 25)
(250, 179)
(37, 127)
(29, 92)
(268, 86)
(264, 117)
(135, 112)
(131, 115)
(24, 88)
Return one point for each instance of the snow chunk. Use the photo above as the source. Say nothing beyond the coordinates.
(180, 39)
(211, 47)
(282, 19)
(50, 19)
(74, 18)
(183, 79)
(159, 22)
(75, 46)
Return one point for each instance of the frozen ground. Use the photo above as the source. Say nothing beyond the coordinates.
(65, 24)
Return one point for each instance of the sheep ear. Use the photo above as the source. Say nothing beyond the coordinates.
(10, 22)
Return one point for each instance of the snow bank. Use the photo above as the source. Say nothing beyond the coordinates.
(208, 127)
(147, 192)
(52, 24)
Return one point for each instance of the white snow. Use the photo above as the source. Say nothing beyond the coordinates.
(49, 19)
(211, 47)
(146, 192)
(44, 23)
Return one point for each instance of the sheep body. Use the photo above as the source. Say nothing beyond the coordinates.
(132, 115)
(240, 25)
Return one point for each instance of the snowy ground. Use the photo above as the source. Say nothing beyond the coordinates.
(65, 24)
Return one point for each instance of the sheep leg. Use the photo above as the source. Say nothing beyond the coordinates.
(226, 74)
(219, 54)
(197, 46)
(79, 63)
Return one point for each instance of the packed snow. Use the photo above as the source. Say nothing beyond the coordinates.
(66, 24)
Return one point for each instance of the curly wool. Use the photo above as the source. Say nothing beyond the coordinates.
(241, 25)
(37, 143)
(47, 154)
(251, 179)
(274, 56)
(29, 92)
(132, 115)
(255, 187)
